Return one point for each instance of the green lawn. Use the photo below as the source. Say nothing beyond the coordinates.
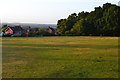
(60, 57)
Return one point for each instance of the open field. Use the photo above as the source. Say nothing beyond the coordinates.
(60, 57)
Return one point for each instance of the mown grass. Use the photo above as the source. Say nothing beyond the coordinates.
(60, 57)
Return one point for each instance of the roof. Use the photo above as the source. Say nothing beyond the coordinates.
(52, 29)
(16, 28)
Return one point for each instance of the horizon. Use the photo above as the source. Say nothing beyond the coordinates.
(24, 23)
(45, 11)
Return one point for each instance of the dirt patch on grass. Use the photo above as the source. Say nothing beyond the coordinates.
(28, 47)
(17, 62)
(82, 48)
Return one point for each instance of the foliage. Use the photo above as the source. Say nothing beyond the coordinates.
(43, 32)
(4, 27)
(102, 21)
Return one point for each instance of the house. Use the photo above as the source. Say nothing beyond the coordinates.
(1, 34)
(27, 31)
(34, 30)
(16, 31)
(51, 30)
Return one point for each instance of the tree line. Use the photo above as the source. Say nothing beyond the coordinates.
(104, 21)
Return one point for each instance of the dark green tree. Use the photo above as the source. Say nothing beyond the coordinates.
(102, 21)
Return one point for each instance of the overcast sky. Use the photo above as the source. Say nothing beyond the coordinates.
(44, 11)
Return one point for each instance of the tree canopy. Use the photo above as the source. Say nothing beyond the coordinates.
(103, 20)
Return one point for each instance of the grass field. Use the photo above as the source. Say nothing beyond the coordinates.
(60, 57)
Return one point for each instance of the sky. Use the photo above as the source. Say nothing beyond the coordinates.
(119, 3)
(45, 11)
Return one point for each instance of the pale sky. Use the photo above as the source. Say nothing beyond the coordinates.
(45, 11)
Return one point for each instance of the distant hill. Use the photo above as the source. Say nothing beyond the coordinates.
(33, 25)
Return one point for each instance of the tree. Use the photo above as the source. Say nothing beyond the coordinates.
(4, 27)
(102, 21)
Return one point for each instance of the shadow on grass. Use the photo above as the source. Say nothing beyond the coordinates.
(95, 46)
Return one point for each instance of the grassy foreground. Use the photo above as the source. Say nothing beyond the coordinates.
(60, 57)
